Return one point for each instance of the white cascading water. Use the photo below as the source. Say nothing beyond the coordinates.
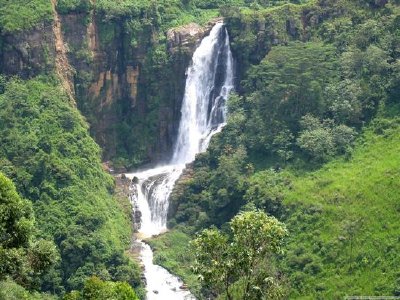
(208, 84)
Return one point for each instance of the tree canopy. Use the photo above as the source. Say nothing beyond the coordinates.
(239, 266)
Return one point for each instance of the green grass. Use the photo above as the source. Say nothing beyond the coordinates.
(18, 15)
(344, 223)
(172, 251)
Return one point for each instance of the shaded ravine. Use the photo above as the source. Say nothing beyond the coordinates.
(203, 113)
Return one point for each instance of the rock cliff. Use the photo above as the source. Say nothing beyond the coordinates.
(130, 99)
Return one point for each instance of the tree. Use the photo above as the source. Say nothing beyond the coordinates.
(343, 101)
(321, 140)
(20, 257)
(240, 266)
(97, 289)
(282, 145)
(16, 217)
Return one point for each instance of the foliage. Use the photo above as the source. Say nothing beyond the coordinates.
(172, 251)
(21, 258)
(97, 289)
(9, 290)
(68, 6)
(323, 140)
(16, 217)
(18, 15)
(244, 260)
(46, 149)
(285, 86)
(266, 191)
(343, 221)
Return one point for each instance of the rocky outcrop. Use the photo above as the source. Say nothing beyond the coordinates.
(184, 37)
(107, 75)
(133, 198)
(188, 36)
(39, 50)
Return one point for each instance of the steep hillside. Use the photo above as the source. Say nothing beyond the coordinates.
(45, 148)
(344, 234)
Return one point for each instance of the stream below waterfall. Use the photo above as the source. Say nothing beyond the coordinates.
(209, 81)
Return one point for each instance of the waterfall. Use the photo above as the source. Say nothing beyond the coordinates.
(208, 83)
(203, 113)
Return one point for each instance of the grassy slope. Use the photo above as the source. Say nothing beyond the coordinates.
(364, 191)
(345, 227)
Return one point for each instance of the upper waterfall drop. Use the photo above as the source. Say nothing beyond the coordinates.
(208, 84)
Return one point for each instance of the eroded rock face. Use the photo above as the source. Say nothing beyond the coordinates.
(188, 36)
(107, 75)
(185, 36)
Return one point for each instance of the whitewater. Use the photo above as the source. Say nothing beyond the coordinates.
(209, 81)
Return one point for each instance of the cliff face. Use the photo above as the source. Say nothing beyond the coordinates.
(28, 53)
(129, 85)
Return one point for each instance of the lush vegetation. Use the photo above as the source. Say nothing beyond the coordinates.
(46, 150)
(318, 80)
(97, 289)
(312, 140)
(342, 221)
(18, 15)
(21, 258)
(10, 290)
(240, 266)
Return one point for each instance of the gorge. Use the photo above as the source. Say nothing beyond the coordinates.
(289, 190)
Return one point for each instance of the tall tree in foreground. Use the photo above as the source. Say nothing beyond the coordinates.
(240, 266)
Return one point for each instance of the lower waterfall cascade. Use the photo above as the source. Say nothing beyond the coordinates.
(210, 79)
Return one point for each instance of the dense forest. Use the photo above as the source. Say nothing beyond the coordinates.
(296, 198)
